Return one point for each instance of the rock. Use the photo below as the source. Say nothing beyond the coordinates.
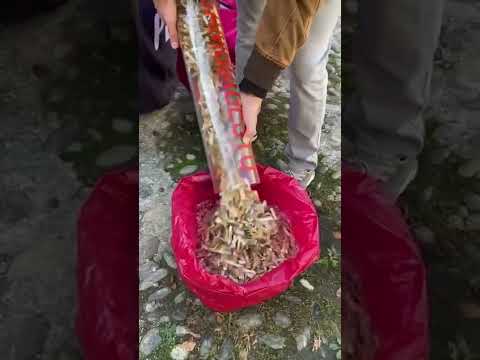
(179, 314)
(150, 307)
(153, 278)
(122, 126)
(293, 299)
(281, 319)
(179, 298)
(336, 175)
(427, 194)
(186, 170)
(181, 331)
(472, 223)
(115, 156)
(271, 106)
(424, 235)
(150, 342)
(318, 203)
(455, 222)
(164, 319)
(226, 351)
(159, 294)
(179, 353)
(273, 341)
(250, 321)
(75, 147)
(190, 157)
(145, 269)
(316, 311)
(206, 347)
(306, 284)
(303, 338)
(472, 201)
(470, 168)
(170, 260)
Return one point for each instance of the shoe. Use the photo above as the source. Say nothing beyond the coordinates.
(304, 177)
(394, 173)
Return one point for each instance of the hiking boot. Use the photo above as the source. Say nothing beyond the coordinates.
(304, 177)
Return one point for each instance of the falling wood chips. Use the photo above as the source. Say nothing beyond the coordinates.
(243, 238)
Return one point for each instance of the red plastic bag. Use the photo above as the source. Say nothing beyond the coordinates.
(107, 269)
(383, 276)
(222, 294)
(228, 18)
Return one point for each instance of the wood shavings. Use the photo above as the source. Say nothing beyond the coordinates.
(243, 238)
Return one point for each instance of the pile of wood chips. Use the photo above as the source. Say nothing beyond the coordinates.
(243, 238)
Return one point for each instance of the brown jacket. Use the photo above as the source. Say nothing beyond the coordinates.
(283, 29)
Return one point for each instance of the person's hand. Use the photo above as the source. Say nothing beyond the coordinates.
(251, 106)
(167, 10)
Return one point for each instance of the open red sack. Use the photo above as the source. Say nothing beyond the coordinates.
(228, 17)
(222, 294)
(107, 269)
(382, 273)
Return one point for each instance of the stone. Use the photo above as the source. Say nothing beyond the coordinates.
(275, 342)
(179, 353)
(424, 235)
(170, 260)
(226, 351)
(122, 126)
(293, 299)
(472, 201)
(144, 270)
(179, 298)
(271, 106)
(303, 338)
(206, 347)
(282, 320)
(75, 147)
(179, 314)
(150, 307)
(164, 319)
(318, 203)
(159, 294)
(250, 321)
(186, 170)
(190, 157)
(150, 342)
(117, 155)
(306, 284)
(472, 223)
(316, 311)
(469, 168)
(152, 278)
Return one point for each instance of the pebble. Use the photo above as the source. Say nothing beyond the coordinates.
(116, 155)
(316, 311)
(122, 126)
(206, 347)
(294, 299)
(153, 278)
(149, 307)
(281, 319)
(473, 222)
(179, 353)
(188, 169)
(306, 284)
(170, 260)
(226, 351)
(317, 203)
(164, 319)
(75, 147)
(190, 157)
(271, 107)
(149, 342)
(179, 314)
(472, 201)
(303, 338)
(159, 294)
(273, 341)
(470, 168)
(336, 175)
(424, 235)
(179, 298)
(287, 106)
(250, 321)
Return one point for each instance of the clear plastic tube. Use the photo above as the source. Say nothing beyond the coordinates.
(216, 94)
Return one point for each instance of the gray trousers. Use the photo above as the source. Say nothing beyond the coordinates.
(308, 77)
(394, 49)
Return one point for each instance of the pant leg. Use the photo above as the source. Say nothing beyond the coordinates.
(308, 89)
(249, 13)
(394, 49)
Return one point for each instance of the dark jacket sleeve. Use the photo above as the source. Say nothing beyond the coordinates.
(282, 31)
